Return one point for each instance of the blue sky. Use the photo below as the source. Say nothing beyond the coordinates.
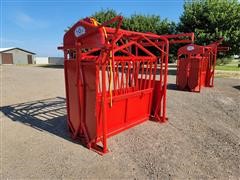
(39, 26)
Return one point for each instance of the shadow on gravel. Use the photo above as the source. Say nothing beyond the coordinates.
(236, 87)
(172, 71)
(51, 66)
(44, 115)
(172, 87)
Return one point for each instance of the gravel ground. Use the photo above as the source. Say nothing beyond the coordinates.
(200, 141)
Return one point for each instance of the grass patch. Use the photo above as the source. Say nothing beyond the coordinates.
(227, 68)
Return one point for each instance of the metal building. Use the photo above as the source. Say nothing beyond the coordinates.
(14, 55)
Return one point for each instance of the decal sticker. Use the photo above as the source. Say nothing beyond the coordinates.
(80, 30)
(190, 48)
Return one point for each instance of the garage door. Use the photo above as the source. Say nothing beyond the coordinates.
(7, 58)
(30, 59)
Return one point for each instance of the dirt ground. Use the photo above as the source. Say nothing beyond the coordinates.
(200, 141)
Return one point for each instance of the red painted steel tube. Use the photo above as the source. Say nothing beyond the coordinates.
(165, 82)
(103, 104)
(176, 38)
(66, 92)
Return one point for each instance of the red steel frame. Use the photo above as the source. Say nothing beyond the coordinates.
(180, 38)
(111, 80)
(196, 65)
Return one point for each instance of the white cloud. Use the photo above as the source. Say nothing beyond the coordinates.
(24, 18)
(25, 21)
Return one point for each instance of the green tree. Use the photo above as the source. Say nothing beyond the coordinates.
(211, 20)
(138, 22)
(105, 15)
(149, 23)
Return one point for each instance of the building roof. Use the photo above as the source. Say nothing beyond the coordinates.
(11, 48)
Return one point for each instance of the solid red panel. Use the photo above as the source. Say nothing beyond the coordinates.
(204, 68)
(157, 95)
(182, 73)
(116, 115)
(72, 95)
(89, 74)
(193, 79)
(138, 107)
(124, 113)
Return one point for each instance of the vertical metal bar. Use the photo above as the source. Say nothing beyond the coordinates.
(127, 76)
(122, 78)
(165, 82)
(142, 71)
(177, 76)
(114, 78)
(150, 76)
(155, 72)
(104, 123)
(117, 77)
(200, 73)
(137, 71)
(133, 75)
(108, 77)
(136, 76)
(146, 73)
(161, 77)
(214, 58)
(66, 89)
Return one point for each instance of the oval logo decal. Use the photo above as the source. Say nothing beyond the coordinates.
(80, 30)
(190, 48)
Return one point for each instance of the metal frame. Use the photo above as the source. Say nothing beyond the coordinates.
(112, 81)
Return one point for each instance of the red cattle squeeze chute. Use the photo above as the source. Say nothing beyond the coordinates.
(196, 65)
(111, 81)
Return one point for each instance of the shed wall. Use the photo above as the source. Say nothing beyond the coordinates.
(41, 60)
(56, 60)
(20, 57)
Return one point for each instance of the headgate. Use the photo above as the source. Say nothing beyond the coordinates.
(196, 65)
(112, 80)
